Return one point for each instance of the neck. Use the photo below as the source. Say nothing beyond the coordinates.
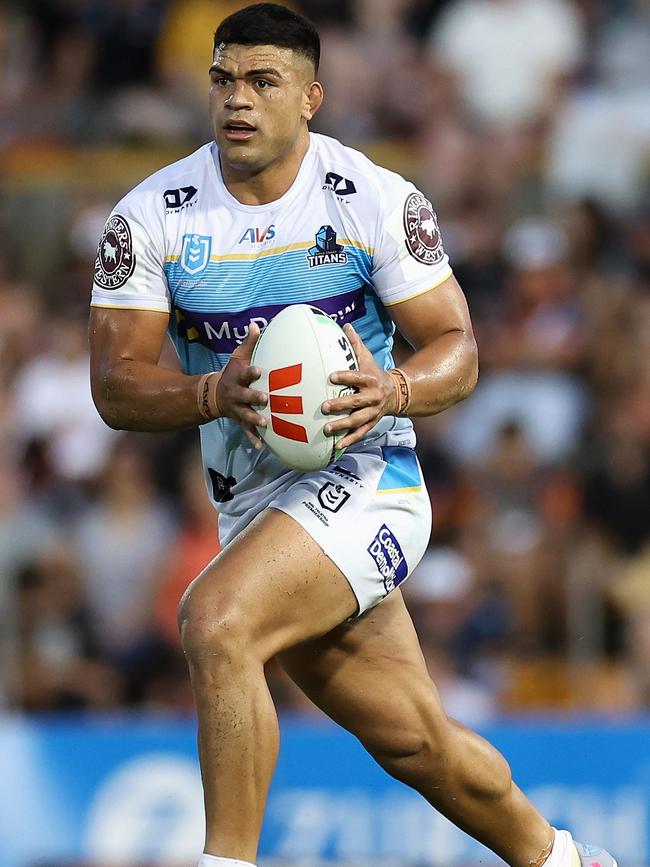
(268, 184)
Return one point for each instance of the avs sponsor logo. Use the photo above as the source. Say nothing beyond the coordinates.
(224, 331)
(332, 496)
(221, 486)
(389, 558)
(256, 236)
(195, 253)
(326, 251)
(340, 186)
(177, 200)
(115, 257)
(423, 240)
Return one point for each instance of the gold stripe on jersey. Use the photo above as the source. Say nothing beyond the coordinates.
(352, 243)
(399, 490)
(421, 291)
(126, 307)
(276, 251)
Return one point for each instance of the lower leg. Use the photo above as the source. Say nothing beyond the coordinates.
(470, 782)
(238, 747)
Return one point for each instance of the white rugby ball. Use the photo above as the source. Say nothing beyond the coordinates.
(297, 351)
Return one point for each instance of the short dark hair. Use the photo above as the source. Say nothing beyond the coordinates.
(270, 24)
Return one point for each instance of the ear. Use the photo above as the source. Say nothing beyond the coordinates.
(312, 101)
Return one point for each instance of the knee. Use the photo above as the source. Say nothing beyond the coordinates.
(212, 628)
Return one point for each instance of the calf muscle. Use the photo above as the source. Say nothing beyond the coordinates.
(371, 678)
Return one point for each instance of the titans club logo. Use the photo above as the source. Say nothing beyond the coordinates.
(326, 251)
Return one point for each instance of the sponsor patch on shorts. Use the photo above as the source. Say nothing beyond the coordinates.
(389, 558)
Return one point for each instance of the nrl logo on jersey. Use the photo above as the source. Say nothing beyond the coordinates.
(195, 253)
(326, 250)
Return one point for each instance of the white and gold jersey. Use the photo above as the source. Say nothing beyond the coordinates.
(348, 237)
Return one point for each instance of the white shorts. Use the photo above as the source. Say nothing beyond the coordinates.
(370, 513)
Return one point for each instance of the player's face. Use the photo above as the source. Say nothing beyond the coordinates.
(261, 98)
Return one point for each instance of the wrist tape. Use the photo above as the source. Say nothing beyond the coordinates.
(402, 390)
(206, 395)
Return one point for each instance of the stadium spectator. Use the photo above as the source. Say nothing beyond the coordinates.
(25, 534)
(484, 41)
(58, 664)
(531, 345)
(121, 540)
(52, 402)
(606, 121)
(192, 547)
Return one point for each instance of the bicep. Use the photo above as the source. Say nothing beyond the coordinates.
(117, 335)
(423, 319)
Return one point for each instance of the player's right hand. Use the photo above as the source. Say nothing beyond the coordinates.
(235, 398)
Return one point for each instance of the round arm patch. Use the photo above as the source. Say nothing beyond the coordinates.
(423, 240)
(115, 257)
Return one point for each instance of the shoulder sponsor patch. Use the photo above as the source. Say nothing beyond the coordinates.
(115, 257)
(423, 240)
(339, 185)
(177, 200)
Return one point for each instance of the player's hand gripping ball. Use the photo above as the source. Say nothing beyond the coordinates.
(296, 354)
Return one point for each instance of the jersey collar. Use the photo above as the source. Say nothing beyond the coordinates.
(291, 193)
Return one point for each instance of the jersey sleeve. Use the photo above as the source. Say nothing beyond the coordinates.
(409, 257)
(129, 267)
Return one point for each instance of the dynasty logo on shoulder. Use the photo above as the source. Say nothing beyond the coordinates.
(340, 186)
(389, 558)
(178, 200)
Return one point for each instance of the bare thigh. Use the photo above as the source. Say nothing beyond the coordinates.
(369, 676)
(271, 588)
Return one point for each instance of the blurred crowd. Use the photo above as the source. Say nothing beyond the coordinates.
(527, 122)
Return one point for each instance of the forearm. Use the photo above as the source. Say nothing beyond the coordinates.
(139, 396)
(441, 373)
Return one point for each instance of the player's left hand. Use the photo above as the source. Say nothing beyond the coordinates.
(374, 395)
